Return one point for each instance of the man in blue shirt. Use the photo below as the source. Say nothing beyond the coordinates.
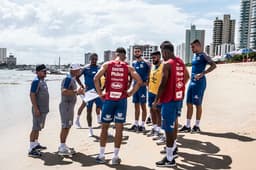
(197, 85)
(140, 97)
(89, 71)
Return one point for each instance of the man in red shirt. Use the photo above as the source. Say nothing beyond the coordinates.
(115, 99)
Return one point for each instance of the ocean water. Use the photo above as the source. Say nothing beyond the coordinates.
(15, 105)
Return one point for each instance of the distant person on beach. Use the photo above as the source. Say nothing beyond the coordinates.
(89, 71)
(69, 94)
(39, 97)
(153, 86)
(197, 85)
(170, 94)
(140, 97)
(115, 100)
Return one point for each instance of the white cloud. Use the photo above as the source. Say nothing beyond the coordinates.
(40, 31)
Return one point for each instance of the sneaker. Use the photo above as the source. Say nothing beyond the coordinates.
(71, 150)
(185, 129)
(175, 153)
(156, 134)
(142, 129)
(157, 137)
(77, 123)
(152, 132)
(116, 161)
(161, 141)
(166, 163)
(134, 128)
(196, 129)
(148, 121)
(34, 153)
(40, 147)
(100, 160)
(64, 151)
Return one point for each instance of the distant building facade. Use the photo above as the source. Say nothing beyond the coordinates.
(3, 55)
(109, 55)
(87, 58)
(192, 35)
(180, 51)
(11, 61)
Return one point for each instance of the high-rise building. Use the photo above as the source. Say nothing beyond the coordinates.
(207, 49)
(3, 55)
(109, 55)
(87, 58)
(247, 28)
(253, 25)
(146, 51)
(223, 33)
(192, 35)
(180, 51)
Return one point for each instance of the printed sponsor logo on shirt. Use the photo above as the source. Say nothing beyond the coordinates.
(141, 66)
(119, 116)
(179, 94)
(179, 84)
(115, 95)
(196, 97)
(116, 85)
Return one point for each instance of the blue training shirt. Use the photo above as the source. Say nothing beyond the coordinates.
(142, 68)
(34, 85)
(89, 72)
(199, 62)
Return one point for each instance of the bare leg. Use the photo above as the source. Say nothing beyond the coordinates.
(144, 111)
(118, 135)
(189, 110)
(104, 134)
(34, 135)
(81, 108)
(89, 117)
(64, 134)
(137, 111)
(198, 112)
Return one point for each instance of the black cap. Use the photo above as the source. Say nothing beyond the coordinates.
(40, 67)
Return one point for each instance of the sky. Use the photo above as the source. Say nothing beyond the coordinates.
(40, 31)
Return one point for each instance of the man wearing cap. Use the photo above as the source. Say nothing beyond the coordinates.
(115, 105)
(69, 93)
(39, 97)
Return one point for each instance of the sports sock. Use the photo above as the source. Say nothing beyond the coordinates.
(188, 123)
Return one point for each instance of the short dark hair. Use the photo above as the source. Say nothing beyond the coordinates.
(93, 55)
(121, 50)
(167, 45)
(138, 47)
(155, 53)
(195, 42)
(40, 67)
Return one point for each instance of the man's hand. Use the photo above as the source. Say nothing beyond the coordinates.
(37, 112)
(80, 91)
(129, 93)
(199, 76)
(154, 105)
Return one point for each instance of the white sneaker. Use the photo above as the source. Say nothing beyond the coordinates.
(63, 151)
(116, 161)
(78, 126)
(90, 132)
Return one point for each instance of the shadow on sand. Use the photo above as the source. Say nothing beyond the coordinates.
(53, 159)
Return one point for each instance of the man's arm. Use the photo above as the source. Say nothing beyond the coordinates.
(138, 80)
(78, 79)
(68, 92)
(97, 77)
(34, 103)
(186, 75)
(209, 69)
(165, 75)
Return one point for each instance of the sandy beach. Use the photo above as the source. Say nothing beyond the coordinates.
(227, 140)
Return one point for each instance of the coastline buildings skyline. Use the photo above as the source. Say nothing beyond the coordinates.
(247, 29)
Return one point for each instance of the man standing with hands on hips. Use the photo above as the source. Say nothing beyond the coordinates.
(197, 85)
(115, 100)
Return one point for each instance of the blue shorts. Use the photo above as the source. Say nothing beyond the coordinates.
(97, 101)
(140, 96)
(170, 111)
(195, 91)
(151, 99)
(114, 111)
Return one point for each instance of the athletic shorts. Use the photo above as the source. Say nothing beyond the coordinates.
(170, 111)
(195, 91)
(97, 101)
(140, 96)
(38, 122)
(66, 114)
(114, 111)
(151, 99)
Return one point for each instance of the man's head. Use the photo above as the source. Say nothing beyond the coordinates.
(137, 52)
(75, 70)
(93, 58)
(167, 50)
(121, 53)
(156, 56)
(41, 71)
(196, 46)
